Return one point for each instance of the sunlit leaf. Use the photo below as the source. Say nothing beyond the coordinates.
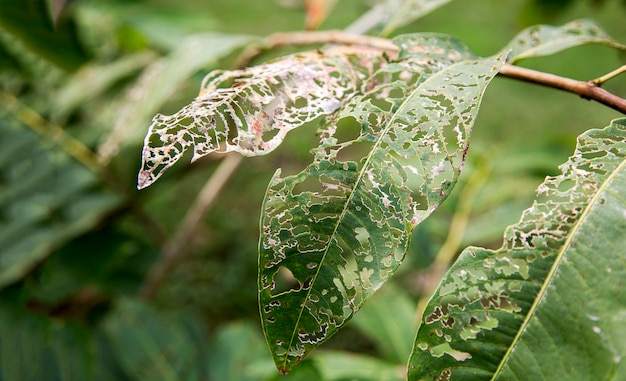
(46, 198)
(341, 228)
(534, 308)
(542, 40)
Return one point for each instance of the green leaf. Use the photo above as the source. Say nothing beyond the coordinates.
(237, 353)
(341, 228)
(30, 21)
(152, 346)
(393, 14)
(94, 79)
(46, 198)
(389, 319)
(542, 40)
(343, 366)
(549, 304)
(159, 82)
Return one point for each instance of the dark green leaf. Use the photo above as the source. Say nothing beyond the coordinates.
(30, 21)
(340, 228)
(159, 82)
(535, 308)
(153, 346)
(46, 198)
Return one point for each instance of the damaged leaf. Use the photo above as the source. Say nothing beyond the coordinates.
(543, 40)
(532, 309)
(250, 111)
(340, 228)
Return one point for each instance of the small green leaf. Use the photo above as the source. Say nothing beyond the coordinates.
(534, 308)
(542, 40)
(341, 228)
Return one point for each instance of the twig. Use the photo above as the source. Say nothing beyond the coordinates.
(174, 250)
(587, 90)
(277, 40)
(606, 77)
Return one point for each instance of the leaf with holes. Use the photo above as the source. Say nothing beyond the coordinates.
(533, 309)
(251, 111)
(543, 40)
(341, 227)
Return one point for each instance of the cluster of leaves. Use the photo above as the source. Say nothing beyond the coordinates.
(78, 241)
(341, 227)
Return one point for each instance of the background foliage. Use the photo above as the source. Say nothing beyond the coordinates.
(78, 90)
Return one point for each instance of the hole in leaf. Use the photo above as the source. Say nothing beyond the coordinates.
(284, 281)
(348, 129)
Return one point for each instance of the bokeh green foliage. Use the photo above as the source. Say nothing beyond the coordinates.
(77, 91)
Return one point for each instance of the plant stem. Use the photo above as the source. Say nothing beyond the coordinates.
(587, 90)
(174, 250)
(277, 40)
(606, 77)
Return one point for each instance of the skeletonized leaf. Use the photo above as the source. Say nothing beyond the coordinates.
(341, 227)
(542, 40)
(159, 81)
(30, 21)
(250, 111)
(534, 308)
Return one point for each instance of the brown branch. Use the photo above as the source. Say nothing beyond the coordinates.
(174, 250)
(278, 40)
(587, 90)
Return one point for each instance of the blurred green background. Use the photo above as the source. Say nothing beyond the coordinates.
(79, 84)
